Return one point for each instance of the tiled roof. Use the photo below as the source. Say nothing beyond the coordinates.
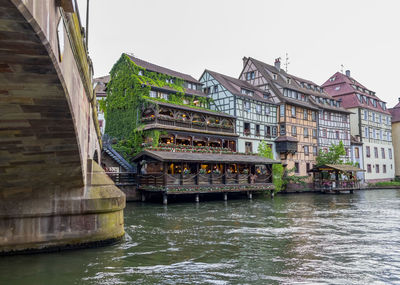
(159, 69)
(234, 86)
(100, 88)
(341, 88)
(277, 85)
(395, 112)
(205, 157)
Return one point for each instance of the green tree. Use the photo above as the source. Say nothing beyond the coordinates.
(277, 169)
(333, 156)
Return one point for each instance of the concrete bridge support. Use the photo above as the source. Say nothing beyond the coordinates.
(52, 194)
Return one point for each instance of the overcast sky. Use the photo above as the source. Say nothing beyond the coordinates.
(190, 36)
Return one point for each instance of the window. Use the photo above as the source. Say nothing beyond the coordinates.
(383, 152)
(267, 110)
(153, 94)
(274, 130)
(306, 150)
(267, 131)
(164, 96)
(356, 152)
(315, 150)
(296, 167)
(337, 135)
(365, 115)
(305, 115)
(247, 92)
(332, 79)
(366, 132)
(289, 80)
(246, 130)
(189, 85)
(257, 130)
(390, 153)
(305, 132)
(380, 134)
(282, 111)
(293, 111)
(294, 131)
(376, 152)
(215, 88)
(373, 117)
(140, 73)
(258, 109)
(377, 168)
(384, 168)
(307, 167)
(313, 116)
(324, 133)
(282, 130)
(369, 170)
(314, 133)
(337, 88)
(275, 76)
(186, 101)
(380, 119)
(368, 151)
(373, 133)
(246, 106)
(248, 147)
(250, 75)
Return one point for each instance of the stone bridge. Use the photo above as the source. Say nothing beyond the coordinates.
(53, 194)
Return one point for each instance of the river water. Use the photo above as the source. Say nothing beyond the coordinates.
(292, 239)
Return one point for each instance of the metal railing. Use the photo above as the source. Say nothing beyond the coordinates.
(123, 178)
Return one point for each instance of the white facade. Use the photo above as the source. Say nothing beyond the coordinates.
(356, 156)
(374, 129)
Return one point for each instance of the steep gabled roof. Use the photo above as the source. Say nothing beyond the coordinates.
(235, 86)
(340, 86)
(395, 112)
(159, 69)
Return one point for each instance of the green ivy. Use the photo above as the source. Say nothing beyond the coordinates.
(128, 95)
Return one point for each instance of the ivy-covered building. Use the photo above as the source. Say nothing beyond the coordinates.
(157, 114)
(255, 115)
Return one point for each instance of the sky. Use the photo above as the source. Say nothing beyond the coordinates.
(189, 36)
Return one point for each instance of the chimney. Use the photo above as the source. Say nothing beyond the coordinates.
(278, 63)
(244, 60)
(348, 73)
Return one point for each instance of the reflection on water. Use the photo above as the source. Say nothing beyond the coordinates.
(305, 238)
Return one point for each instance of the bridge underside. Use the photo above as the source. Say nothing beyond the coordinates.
(51, 196)
(39, 151)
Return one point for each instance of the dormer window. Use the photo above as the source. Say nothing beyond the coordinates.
(247, 92)
(289, 80)
(332, 79)
(359, 97)
(215, 88)
(275, 76)
(337, 88)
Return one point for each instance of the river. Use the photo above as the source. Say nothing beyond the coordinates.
(292, 239)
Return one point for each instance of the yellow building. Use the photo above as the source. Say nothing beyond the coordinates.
(395, 112)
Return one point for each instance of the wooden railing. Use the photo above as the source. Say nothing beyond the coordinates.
(202, 179)
(123, 178)
(337, 185)
(188, 124)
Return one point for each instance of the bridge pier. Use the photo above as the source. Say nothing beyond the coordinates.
(37, 225)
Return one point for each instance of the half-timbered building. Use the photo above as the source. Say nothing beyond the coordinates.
(370, 121)
(333, 120)
(189, 122)
(188, 148)
(255, 115)
(297, 116)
